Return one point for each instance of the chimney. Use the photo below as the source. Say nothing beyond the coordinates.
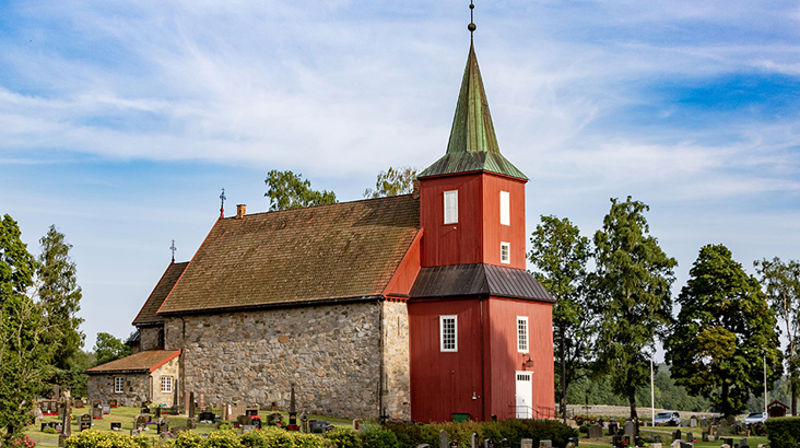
(241, 210)
(415, 191)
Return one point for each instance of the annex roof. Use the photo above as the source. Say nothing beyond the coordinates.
(478, 280)
(142, 362)
(147, 315)
(338, 252)
(473, 143)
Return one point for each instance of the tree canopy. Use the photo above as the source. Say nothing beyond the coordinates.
(560, 255)
(632, 288)
(287, 190)
(108, 348)
(392, 182)
(781, 282)
(723, 330)
(23, 355)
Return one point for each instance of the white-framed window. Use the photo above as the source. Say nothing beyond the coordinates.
(448, 333)
(505, 252)
(505, 208)
(166, 384)
(119, 384)
(451, 206)
(522, 334)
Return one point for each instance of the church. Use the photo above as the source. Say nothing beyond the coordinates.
(414, 307)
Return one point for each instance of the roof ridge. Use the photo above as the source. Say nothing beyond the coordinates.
(289, 210)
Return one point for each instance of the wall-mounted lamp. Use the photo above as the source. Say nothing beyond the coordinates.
(527, 363)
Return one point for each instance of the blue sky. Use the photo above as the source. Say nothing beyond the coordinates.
(120, 121)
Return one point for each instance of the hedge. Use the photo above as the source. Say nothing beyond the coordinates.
(399, 435)
(410, 434)
(783, 432)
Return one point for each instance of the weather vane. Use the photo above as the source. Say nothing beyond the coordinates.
(222, 204)
(471, 27)
(173, 249)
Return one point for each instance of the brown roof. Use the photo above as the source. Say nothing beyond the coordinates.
(147, 315)
(342, 251)
(142, 362)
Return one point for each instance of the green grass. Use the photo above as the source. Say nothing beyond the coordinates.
(126, 415)
(666, 438)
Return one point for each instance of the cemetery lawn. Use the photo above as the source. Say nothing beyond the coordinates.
(666, 439)
(126, 416)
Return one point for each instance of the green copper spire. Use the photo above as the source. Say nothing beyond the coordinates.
(473, 144)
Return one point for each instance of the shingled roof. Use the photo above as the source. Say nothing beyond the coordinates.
(478, 280)
(338, 252)
(142, 362)
(147, 315)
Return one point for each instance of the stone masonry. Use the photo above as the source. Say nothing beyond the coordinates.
(168, 369)
(137, 386)
(332, 353)
(397, 379)
(149, 338)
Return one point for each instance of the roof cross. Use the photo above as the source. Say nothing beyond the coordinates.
(173, 249)
(222, 204)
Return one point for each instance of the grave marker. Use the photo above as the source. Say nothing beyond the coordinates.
(526, 443)
(116, 426)
(595, 431)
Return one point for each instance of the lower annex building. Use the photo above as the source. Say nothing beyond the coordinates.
(409, 307)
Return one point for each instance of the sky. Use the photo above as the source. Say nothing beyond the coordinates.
(121, 121)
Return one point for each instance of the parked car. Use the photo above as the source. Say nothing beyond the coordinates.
(669, 418)
(755, 417)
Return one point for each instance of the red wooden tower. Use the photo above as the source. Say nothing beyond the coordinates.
(480, 326)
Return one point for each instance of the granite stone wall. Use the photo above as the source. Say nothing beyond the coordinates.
(137, 388)
(168, 369)
(149, 338)
(397, 379)
(332, 353)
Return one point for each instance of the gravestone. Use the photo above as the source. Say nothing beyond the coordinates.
(687, 445)
(303, 422)
(526, 443)
(657, 438)
(274, 418)
(256, 421)
(66, 421)
(116, 426)
(689, 437)
(206, 416)
(242, 420)
(144, 410)
(616, 440)
(612, 428)
(443, 439)
(38, 415)
(676, 435)
(693, 422)
(676, 443)
(247, 428)
(357, 424)
(655, 445)
(595, 431)
(157, 412)
(227, 412)
(704, 437)
(191, 405)
(163, 426)
(251, 412)
(134, 432)
(704, 422)
(319, 426)
(728, 441)
(112, 403)
(487, 443)
(201, 400)
(547, 443)
(141, 421)
(237, 409)
(191, 423)
(97, 413)
(629, 428)
(473, 440)
(106, 409)
(743, 443)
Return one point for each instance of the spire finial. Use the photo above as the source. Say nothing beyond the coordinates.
(222, 204)
(471, 27)
(173, 249)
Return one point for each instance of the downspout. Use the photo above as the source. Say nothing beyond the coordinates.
(382, 362)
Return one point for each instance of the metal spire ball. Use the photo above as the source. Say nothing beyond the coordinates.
(471, 27)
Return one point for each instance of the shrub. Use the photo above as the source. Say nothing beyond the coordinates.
(186, 439)
(222, 439)
(49, 430)
(301, 440)
(411, 435)
(25, 441)
(344, 438)
(783, 432)
(95, 439)
(377, 437)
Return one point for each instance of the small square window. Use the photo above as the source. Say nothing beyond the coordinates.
(505, 208)
(166, 384)
(448, 333)
(505, 252)
(522, 334)
(451, 207)
(119, 384)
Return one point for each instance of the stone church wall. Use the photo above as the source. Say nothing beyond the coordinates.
(168, 369)
(137, 389)
(149, 338)
(332, 353)
(397, 379)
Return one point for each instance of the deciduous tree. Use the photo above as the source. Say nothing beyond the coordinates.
(107, 348)
(723, 331)
(287, 190)
(23, 356)
(392, 182)
(781, 282)
(632, 285)
(560, 255)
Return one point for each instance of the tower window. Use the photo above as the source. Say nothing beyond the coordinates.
(505, 208)
(451, 207)
(505, 252)
(448, 333)
(522, 334)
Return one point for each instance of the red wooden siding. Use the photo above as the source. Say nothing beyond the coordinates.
(503, 359)
(450, 244)
(493, 231)
(403, 278)
(443, 383)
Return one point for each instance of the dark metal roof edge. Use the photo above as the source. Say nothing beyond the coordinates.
(120, 372)
(271, 306)
(463, 173)
(485, 295)
(149, 324)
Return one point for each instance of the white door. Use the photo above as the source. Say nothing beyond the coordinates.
(524, 395)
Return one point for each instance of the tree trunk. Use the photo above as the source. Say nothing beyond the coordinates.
(726, 411)
(632, 401)
(563, 402)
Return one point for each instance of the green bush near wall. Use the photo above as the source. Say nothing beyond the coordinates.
(401, 435)
(783, 432)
